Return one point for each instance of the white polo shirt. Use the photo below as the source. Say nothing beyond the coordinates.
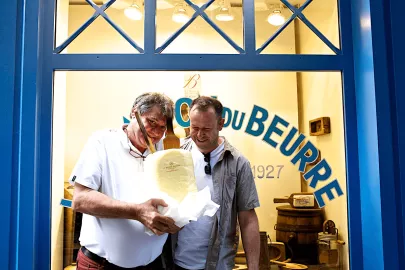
(106, 165)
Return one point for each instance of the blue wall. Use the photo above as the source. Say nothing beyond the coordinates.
(377, 134)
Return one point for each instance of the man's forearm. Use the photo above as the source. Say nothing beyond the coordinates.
(97, 204)
(249, 226)
(92, 202)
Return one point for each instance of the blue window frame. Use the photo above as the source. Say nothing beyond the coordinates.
(34, 109)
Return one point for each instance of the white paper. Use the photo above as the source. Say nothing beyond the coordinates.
(194, 206)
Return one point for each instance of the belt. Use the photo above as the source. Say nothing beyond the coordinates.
(104, 262)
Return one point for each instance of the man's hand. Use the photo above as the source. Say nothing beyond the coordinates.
(149, 216)
(92, 202)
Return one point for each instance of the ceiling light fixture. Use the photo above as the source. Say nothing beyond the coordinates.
(224, 14)
(276, 18)
(180, 14)
(133, 12)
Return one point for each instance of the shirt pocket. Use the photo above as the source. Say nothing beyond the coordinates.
(228, 194)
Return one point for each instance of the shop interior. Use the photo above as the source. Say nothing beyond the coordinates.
(311, 102)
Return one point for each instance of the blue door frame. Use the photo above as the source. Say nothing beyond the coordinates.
(371, 113)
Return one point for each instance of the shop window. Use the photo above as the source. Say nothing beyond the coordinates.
(305, 106)
(218, 30)
(324, 15)
(281, 27)
(99, 27)
(297, 27)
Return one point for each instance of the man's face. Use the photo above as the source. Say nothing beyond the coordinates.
(155, 125)
(204, 129)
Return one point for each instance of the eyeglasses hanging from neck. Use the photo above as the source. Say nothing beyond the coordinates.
(132, 150)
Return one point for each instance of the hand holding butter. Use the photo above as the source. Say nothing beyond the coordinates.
(148, 215)
(172, 172)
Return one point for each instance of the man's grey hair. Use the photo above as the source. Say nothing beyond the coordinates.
(145, 102)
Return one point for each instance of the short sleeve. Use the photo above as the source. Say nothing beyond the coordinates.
(87, 170)
(247, 197)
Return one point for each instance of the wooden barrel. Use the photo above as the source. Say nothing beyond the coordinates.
(298, 229)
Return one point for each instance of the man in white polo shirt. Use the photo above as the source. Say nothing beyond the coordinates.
(111, 192)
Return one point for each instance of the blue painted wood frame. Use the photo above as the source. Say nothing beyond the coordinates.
(19, 50)
(354, 205)
(380, 191)
(27, 142)
(18, 139)
(251, 60)
(397, 60)
(8, 49)
(196, 62)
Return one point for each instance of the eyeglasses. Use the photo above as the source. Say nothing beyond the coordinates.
(133, 153)
(207, 167)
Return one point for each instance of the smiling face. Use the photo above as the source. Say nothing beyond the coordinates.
(155, 125)
(204, 128)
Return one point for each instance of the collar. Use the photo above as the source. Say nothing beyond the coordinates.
(127, 144)
(228, 148)
(187, 144)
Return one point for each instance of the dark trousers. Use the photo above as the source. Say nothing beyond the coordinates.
(87, 260)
